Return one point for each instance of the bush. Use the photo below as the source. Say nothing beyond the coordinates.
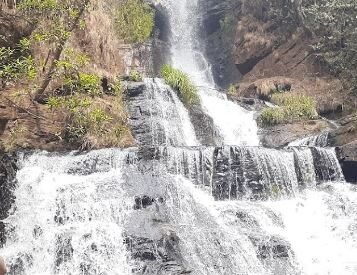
(134, 21)
(232, 90)
(180, 81)
(272, 116)
(17, 62)
(135, 76)
(292, 108)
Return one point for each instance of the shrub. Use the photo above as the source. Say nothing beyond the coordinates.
(272, 116)
(89, 83)
(115, 88)
(17, 62)
(135, 76)
(180, 81)
(292, 108)
(134, 21)
(232, 90)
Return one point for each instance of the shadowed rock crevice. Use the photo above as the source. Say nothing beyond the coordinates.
(8, 168)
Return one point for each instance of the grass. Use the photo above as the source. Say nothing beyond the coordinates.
(291, 108)
(180, 81)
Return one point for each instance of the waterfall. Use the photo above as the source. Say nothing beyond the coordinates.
(67, 222)
(320, 140)
(216, 210)
(172, 206)
(235, 124)
(166, 120)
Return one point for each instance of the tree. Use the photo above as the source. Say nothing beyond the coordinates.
(62, 18)
(334, 25)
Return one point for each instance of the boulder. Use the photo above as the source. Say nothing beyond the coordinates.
(347, 155)
(346, 133)
(282, 135)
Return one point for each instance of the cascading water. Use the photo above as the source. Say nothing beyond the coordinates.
(236, 125)
(166, 121)
(164, 210)
(320, 140)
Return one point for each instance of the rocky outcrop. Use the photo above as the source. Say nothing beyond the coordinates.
(347, 155)
(282, 135)
(216, 35)
(346, 132)
(8, 169)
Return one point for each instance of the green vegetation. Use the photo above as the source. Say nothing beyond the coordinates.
(91, 122)
(16, 62)
(291, 108)
(334, 24)
(134, 21)
(85, 102)
(232, 90)
(180, 81)
(135, 76)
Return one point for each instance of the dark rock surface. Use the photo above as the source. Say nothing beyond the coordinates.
(161, 257)
(347, 155)
(8, 169)
(204, 127)
(217, 40)
(138, 112)
(346, 132)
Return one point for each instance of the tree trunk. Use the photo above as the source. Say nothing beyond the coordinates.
(40, 92)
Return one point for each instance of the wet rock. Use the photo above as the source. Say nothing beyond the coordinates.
(8, 168)
(325, 168)
(161, 257)
(347, 155)
(272, 247)
(345, 133)
(205, 130)
(135, 89)
(64, 250)
(249, 103)
(217, 41)
(146, 201)
(282, 135)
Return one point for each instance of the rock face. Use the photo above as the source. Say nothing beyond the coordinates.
(282, 135)
(217, 39)
(346, 132)
(149, 120)
(348, 158)
(7, 185)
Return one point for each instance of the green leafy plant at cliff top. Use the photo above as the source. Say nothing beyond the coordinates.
(180, 81)
(291, 108)
(134, 21)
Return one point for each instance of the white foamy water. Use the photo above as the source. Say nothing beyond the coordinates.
(321, 228)
(235, 124)
(170, 122)
(67, 224)
(320, 140)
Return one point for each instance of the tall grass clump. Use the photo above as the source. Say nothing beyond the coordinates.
(291, 108)
(180, 81)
